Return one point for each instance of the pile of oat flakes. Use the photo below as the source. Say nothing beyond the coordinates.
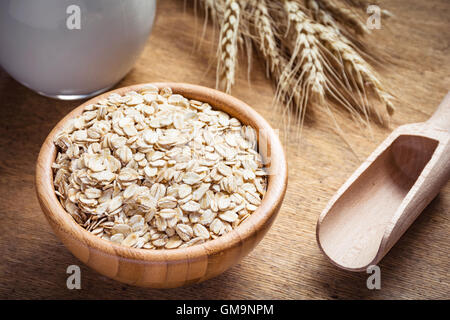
(154, 170)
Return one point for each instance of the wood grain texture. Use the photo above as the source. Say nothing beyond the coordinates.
(287, 264)
(178, 267)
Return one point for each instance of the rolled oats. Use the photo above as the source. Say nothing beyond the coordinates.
(154, 170)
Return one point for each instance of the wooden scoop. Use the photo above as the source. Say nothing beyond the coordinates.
(378, 203)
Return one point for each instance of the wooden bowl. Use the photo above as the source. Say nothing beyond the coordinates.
(175, 267)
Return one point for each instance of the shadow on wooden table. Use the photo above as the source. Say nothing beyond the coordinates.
(28, 114)
(340, 284)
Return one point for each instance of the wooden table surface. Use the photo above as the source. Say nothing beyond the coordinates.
(287, 264)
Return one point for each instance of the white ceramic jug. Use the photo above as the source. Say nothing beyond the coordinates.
(72, 49)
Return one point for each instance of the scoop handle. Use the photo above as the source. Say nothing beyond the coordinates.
(441, 117)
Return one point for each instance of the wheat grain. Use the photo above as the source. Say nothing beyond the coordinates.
(358, 69)
(287, 90)
(305, 55)
(308, 51)
(320, 15)
(267, 44)
(266, 38)
(228, 45)
(346, 15)
(308, 45)
(276, 63)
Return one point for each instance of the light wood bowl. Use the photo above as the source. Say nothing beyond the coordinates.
(176, 267)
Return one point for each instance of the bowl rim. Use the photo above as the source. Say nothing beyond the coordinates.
(271, 202)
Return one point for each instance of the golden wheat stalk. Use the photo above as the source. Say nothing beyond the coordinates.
(266, 42)
(327, 76)
(306, 54)
(320, 15)
(346, 15)
(287, 90)
(227, 51)
(356, 68)
(306, 63)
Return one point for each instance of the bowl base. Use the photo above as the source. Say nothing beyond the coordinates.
(74, 96)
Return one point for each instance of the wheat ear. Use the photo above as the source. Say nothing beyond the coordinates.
(345, 15)
(265, 36)
(320, 15)
(313, 73)
(266, 41)
(286, 91)
(227, 52)
(355, 66)
(305, 55)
